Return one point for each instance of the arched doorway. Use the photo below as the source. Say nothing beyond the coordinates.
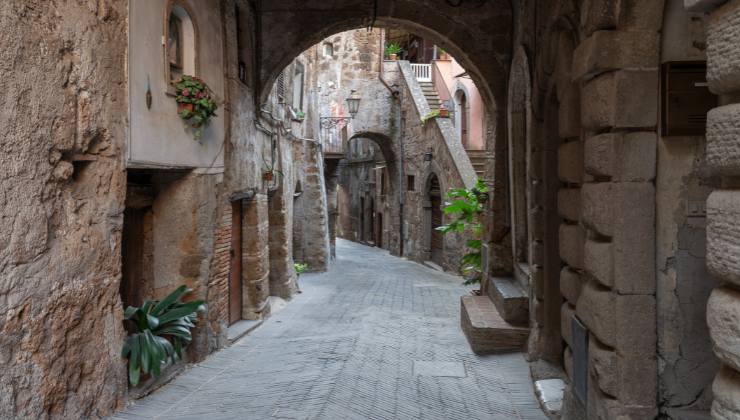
(462, 119)
(436, 239)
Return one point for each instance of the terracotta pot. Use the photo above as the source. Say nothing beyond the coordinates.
(185, 107)
(393, 57)
(444, 113)
(267, 176)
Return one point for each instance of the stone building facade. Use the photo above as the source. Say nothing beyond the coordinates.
(618, 234)
(391, 169)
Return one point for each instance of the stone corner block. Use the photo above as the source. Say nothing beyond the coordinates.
(569, 203)
(723, 132)
(622, 157)
(726, 390)
(610, 50)
(634, 238)
(621, 99)
(723, 50)
(571, 285)
(572, 238)
(570, 162)
(597, 262)
(596, 308)
(723, 235)
(723, 319)
(702, 5)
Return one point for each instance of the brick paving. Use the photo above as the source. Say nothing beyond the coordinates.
(377, 337)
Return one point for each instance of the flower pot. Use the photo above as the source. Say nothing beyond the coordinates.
(185, 107)
(267, 176)
(393, 57)
(444, 113)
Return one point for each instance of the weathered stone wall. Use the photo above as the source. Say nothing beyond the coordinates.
(723, 242)
(64, 81)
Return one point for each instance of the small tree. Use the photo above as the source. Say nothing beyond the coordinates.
(466, 206)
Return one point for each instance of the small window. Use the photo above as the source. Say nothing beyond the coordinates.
(382, 182)
(410, 183)
(298, 86)
(180, 43)
(280, 86)
(328, 50)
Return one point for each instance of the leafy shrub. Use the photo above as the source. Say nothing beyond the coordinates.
(159, 331)
(300, 268)
(466, 205)
(393, 48)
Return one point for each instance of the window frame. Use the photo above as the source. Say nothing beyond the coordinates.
(171, 5)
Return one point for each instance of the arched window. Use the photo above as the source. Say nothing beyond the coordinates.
(180, 51)
(461, 116)
(328, 50)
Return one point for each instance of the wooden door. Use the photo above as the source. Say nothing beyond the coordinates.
(435, 199)
(379, 230)
(235, 271)
(132, 256)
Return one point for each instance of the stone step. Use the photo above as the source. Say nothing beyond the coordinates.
(486, 331)
(511, 301)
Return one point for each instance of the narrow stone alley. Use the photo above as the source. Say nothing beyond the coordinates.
(377, 337)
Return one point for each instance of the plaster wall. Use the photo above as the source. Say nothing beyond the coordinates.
(158, 137)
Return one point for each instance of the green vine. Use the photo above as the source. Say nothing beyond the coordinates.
(429, 116)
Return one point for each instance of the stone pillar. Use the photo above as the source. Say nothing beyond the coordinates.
(619, 78)
(316, 249)
(723, 205)
(256, 258)
(282, 274)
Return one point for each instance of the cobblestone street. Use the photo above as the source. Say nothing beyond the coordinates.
(377, 337)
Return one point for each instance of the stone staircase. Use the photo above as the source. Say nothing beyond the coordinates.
(431, 94)
(496, 323)
(478, 160)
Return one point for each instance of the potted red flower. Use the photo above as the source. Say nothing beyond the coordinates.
(196, 103)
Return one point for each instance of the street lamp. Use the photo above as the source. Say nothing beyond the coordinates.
(353, 105)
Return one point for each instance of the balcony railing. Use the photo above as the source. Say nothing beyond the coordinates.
(423, 72)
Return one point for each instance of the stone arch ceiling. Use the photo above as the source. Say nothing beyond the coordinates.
(477, 33)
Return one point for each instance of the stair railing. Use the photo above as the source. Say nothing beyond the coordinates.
(423, 72)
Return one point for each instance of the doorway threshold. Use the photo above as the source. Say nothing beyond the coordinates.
(241, 328)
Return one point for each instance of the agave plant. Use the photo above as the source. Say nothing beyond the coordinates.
(159, 332)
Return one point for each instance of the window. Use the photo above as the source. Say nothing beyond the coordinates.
(410, 183)
(328, 50)
(382, 182)
(180, 49)
(280, 86)
(298, 86)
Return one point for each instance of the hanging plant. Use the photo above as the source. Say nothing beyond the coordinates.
(196, 103)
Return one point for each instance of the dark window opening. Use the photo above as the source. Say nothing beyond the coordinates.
(410, 183)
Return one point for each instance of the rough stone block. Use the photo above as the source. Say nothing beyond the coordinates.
(633, 241)
(723, 319)
(572, 238)
(568, 362)
(599, 14)
(597, 261)
(641, 15)
(567, 312)
(723, 50)
(610, 50)
(569, 112)
(602, 366)
(598, 206)
(723, 235)
(702, 5)
(620, 99)
(570, 162)
(635, 325)
(510, 300)
(723, 147)
(536, 224)
(621, 157)
(569, 203)
(596, 308)
(571, 284)
(726, 390)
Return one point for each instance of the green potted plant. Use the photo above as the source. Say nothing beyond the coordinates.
(196, 103)
(466, 206)
(300, 268)
(158, 331)
(392, 50)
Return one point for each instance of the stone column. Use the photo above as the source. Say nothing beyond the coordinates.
(619, 78)
(723, 205)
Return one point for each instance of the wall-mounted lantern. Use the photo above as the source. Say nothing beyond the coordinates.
(353, 103)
